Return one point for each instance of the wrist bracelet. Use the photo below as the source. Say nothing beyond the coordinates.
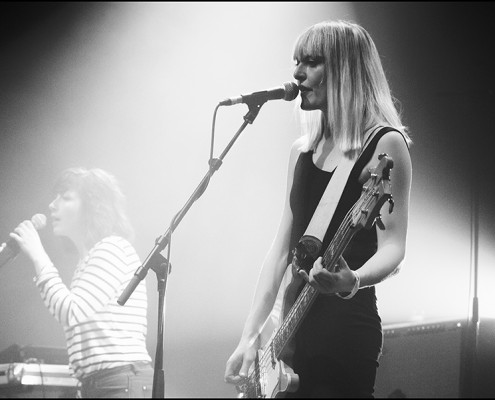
(354, 289)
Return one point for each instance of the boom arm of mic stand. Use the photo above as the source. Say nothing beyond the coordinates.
(164, 240)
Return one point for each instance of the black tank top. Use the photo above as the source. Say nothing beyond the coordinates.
(332, 320)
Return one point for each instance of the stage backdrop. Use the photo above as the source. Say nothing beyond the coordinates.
(131, 88)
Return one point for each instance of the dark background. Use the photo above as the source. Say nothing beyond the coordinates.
(438, 57)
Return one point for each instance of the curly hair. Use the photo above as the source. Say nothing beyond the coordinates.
(103, 203)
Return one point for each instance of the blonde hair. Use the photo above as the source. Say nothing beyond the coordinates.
(358, 93)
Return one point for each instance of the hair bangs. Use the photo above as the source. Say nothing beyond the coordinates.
(309, 44)
(70, 179)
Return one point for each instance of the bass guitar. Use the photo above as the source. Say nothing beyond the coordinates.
(270, 376)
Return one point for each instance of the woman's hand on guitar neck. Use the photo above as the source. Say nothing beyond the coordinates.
(326, 282)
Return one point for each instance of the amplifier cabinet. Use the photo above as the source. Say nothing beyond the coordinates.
(421, 361)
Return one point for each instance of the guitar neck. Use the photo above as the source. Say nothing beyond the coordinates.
(363, 214)
(308, 294)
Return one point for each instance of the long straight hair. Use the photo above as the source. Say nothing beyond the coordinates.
(358, 93)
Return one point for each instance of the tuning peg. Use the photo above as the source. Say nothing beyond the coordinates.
(379, 223)
(391, 205)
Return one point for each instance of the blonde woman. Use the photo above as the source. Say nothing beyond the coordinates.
(344, 98)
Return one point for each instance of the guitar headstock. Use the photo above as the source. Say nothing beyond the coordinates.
(376, 191)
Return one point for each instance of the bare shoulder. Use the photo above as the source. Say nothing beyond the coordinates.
(394, 145)
(394, 142)
(298, 144)
(295, 150)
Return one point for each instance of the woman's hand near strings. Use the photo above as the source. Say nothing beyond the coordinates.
(340, 280)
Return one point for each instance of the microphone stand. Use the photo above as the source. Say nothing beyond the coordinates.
(161, 265)
(470, 356)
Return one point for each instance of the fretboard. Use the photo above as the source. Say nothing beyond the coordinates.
(308, 294)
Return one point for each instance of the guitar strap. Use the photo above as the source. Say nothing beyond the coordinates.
(312, 240)
(313, 237)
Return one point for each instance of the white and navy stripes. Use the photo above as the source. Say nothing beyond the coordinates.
(100, 333)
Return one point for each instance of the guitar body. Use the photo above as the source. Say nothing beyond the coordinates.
(278, 379)
(275, 377)
(272, 377)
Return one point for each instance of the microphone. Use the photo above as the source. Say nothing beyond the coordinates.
(288, 91)
(11, 249)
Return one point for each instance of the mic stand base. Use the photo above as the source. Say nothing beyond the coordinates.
(162, 270)
(160, 264)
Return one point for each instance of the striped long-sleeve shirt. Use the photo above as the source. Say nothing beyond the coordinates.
(100, 333)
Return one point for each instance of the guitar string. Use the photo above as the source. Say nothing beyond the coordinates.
(365, 198)
(266, 356)
(308, 290)
(341, 238)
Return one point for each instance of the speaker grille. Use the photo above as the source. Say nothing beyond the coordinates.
(420, 361)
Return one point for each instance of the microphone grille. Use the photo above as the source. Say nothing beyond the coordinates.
(291, 91)
(39, 221)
